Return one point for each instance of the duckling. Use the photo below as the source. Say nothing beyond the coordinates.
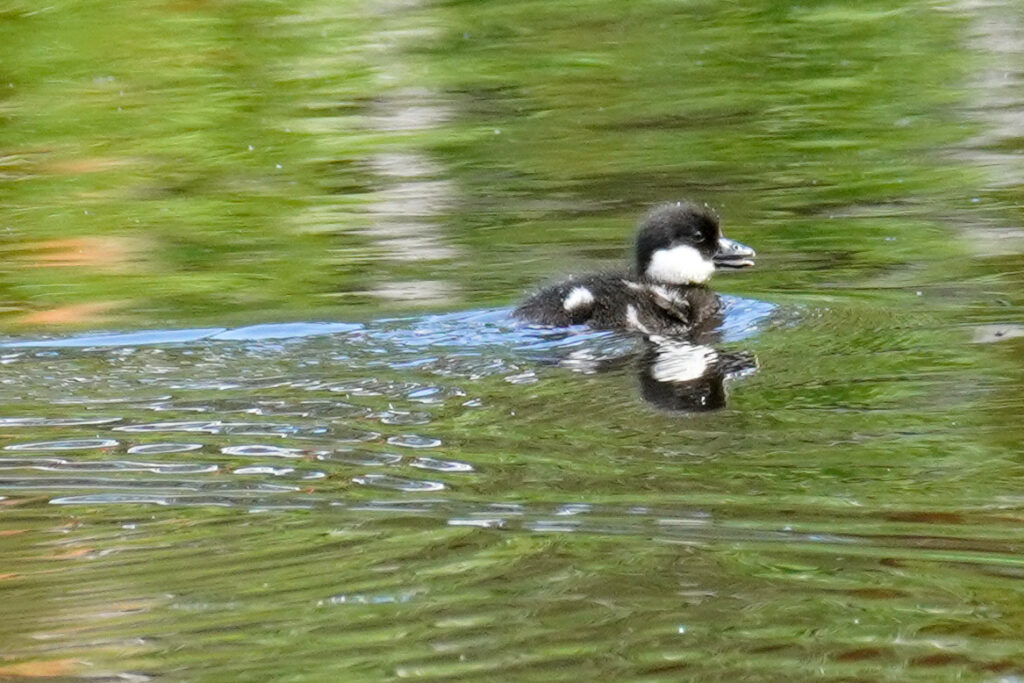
(678, 247)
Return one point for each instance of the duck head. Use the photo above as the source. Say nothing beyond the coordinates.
(682, 244)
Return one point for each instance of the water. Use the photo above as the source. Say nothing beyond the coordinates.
(263, 414)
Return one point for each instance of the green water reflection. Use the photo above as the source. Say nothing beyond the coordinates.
(854, 513)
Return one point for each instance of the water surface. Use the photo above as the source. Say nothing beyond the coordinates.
(263, 415)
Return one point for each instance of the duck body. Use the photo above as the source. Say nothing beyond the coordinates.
(621, 301)
(678, 247)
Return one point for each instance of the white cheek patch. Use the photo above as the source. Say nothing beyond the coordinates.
(682, 265)
(578, 297)
(682, 362)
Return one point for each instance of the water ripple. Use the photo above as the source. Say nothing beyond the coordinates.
(280, 472)
(64, 445)
(56, 421)
(62, 465)
(441, 465)
(203, 426)
(56, 483)
(245, 429)
(414, 441)
(383, 599)
(259, 451)
(402, 418)
(225, 501)
(362, 458)
(386, 481)
(163, 448)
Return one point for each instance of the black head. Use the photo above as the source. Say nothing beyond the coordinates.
(681, 243)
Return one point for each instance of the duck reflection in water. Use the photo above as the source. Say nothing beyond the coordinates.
(683, 373)
(663, 299)
(679, 376)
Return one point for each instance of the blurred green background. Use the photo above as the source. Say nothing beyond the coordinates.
(174, 162)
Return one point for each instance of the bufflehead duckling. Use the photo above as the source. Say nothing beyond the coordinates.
(678, 247)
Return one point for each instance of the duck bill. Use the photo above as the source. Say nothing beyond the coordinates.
(732, 254)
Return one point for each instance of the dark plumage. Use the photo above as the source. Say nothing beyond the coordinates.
(678, 246)
(621, 301)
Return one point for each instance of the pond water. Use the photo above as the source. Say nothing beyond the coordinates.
(264, 416)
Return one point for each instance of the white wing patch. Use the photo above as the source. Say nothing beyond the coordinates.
(682, 265)
(578, 297)
(633, 320)
(665, 294)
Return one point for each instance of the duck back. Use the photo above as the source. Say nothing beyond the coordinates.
(621, 301)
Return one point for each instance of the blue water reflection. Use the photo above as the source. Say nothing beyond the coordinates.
(467, 330)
